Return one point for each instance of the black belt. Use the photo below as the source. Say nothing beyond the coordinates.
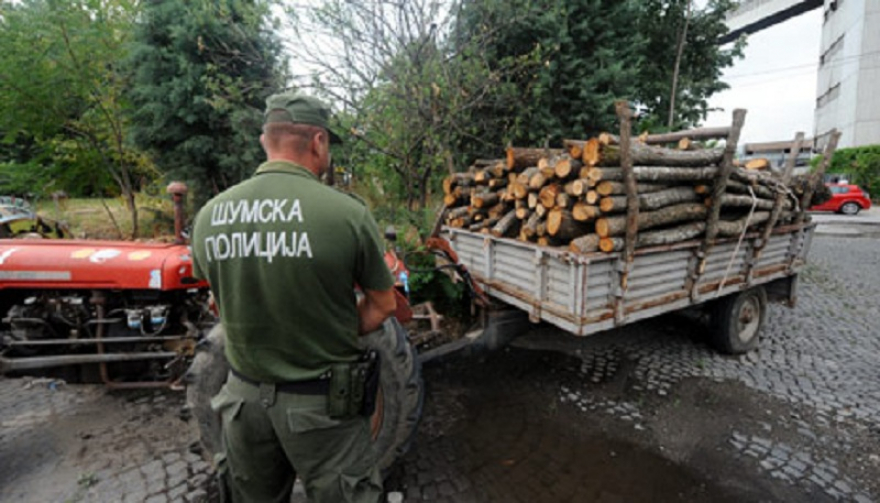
(310, 387)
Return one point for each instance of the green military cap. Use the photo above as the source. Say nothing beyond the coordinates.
(299, 109)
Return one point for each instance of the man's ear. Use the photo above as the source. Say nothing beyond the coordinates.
(263, 141)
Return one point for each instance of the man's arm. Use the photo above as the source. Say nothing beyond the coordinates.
(374, 308)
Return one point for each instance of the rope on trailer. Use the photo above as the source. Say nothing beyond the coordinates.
(742, 236)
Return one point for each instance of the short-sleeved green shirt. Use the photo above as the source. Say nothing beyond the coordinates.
(282, 253)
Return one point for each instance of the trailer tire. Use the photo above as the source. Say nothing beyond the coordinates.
(737, 320)
(399, 408)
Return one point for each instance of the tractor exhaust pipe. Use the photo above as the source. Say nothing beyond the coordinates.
(178, 192)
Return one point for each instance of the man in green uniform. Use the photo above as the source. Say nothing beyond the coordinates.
(283, 253)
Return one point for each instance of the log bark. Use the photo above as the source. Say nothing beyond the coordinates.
(652, 200)
(739, 201)
(709, 133)
(645, 155)
(685, 212)
(530, 228)
(587, 243)
(484, 199)
(522, 158)
(730, 228)
(656, 238)
(665, 174)
(610, 188)
(505, 225)
(742, 188)
(562, 225)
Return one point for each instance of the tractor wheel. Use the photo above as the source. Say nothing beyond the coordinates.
(205, 377)
(398, 407)
(401, 393)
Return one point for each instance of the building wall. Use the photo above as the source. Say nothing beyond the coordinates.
(848, 90)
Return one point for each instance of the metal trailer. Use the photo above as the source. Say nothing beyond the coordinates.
(585, 294)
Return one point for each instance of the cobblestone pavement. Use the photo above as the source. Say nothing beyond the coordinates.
(647, 413)
(812, 390)
(81, 443)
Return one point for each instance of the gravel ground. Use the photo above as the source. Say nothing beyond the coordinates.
(647, 413)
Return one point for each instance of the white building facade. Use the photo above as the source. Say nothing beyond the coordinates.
(848, 90)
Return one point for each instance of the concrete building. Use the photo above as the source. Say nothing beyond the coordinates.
(848, 87)
(849, 73)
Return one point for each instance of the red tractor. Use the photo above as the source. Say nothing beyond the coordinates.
(124, 313)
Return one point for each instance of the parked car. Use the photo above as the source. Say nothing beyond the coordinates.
(845, 198)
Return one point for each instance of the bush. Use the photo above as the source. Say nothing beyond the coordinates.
(861, 165)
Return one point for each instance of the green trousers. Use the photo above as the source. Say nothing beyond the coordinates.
(271, 437)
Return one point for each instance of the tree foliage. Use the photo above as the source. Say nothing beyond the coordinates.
(201, 72)
(589, 54)
(61, 92)
(662, 22)
(861, 165)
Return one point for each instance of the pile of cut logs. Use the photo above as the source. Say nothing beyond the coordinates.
(581, 196)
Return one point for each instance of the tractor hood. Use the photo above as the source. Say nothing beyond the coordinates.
(50, 263)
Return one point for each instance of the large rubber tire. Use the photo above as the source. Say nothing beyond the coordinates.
(398, 410)
(850, 208)
(205, 377)
(737, 320)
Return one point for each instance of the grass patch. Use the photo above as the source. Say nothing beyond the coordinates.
(90, 218)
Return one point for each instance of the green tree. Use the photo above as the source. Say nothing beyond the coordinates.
(861, 165)
(682, 61)
(590, 56)
(201, 72)
(61, 88)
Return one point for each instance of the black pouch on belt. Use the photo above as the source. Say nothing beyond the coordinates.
(339, 396)
(371, 382)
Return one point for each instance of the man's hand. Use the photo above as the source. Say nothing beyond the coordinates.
(374, 308)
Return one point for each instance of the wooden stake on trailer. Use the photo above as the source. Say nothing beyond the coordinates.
(718, 189)
(817, 176)
(632, 197)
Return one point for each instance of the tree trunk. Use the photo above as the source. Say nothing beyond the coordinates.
(652, 200)
(615, 226)
(645, 155)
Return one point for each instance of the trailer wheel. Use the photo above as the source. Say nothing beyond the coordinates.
(737, 320)
(398, 408)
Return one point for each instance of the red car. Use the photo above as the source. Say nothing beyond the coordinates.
(846, 199)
